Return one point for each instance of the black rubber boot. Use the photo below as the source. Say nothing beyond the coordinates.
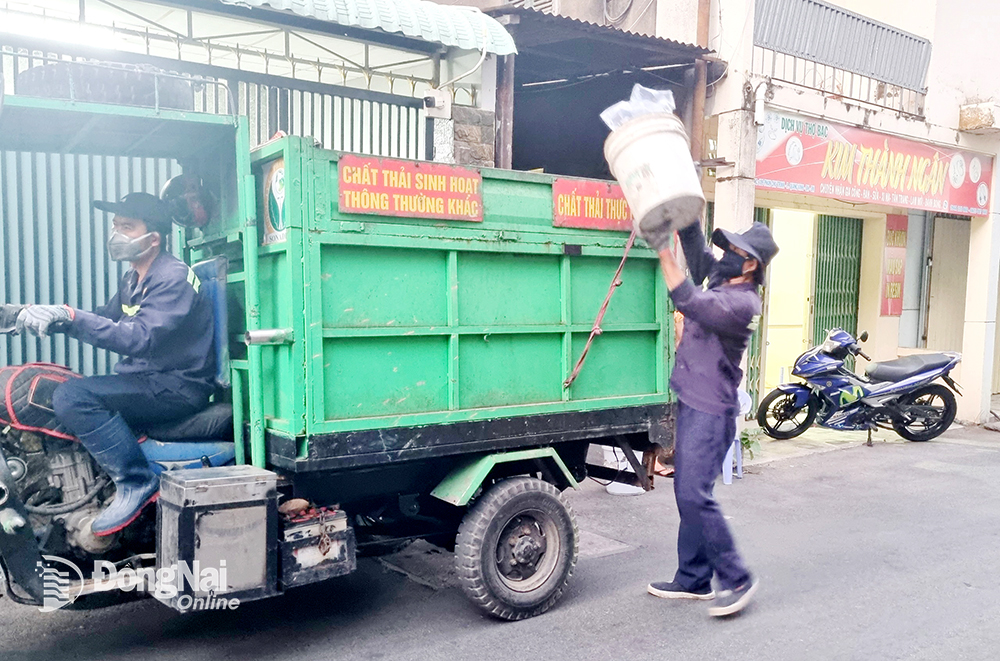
(116, 450)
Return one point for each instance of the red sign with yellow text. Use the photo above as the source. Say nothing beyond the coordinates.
(389, 187)
(893, 265)
(594, 205)
(797, 154)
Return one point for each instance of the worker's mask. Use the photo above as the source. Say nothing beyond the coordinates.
(727, 268)
(122, 248)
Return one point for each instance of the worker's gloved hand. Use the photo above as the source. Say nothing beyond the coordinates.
(42, 319)
(657, 237)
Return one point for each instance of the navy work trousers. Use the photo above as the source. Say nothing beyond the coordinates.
(84, 405)
(704, 543)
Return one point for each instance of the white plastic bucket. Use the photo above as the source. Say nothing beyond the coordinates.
(650, 156)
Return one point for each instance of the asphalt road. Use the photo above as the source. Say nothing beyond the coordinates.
(888, 552)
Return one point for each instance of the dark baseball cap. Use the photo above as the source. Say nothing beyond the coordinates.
(756, 241)
(140, 206)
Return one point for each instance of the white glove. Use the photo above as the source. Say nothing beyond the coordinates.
(40, 319)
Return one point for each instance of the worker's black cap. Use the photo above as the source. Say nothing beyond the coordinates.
(756, 241)
(140, 206)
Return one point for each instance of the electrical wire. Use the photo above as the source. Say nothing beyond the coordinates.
(639, 16)
(618, 462)
(66, 508)
(482, 58)
(614, 20)
(739, 42)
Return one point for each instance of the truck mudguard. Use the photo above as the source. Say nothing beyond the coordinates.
(464, 480)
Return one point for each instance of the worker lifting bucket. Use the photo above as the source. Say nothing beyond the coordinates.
(649, 155)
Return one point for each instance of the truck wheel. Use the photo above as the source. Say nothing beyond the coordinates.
(517, 548)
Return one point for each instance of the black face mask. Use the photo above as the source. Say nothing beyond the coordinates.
(729, 267)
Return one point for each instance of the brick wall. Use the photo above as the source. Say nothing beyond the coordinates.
(475, 132)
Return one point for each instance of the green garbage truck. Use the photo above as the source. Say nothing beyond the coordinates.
(394, 340)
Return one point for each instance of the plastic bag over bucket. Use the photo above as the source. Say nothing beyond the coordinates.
(650, 156)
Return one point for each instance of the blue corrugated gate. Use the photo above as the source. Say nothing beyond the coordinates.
(52, 243)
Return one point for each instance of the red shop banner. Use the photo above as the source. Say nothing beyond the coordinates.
(592, 205)
(796, 154)
(893, 265)
(389, 187)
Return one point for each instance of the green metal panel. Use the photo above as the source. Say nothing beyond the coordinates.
(410, 322)
(612, 369)
(838, 275)
(633, 302)
(362, 292)
(400, 375)
(461, 484)
(504, 290)
(504, 370)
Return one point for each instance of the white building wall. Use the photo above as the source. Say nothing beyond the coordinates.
(962, 70)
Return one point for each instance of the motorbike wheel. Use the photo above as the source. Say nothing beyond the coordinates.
(928, 413)
(779, 417)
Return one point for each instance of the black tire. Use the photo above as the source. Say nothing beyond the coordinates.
(517, 515)
(779, 408)
(924, 424)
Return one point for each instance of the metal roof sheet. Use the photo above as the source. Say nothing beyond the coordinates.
(553, 47)
(543, 16)
(459, 27)
(827, 34)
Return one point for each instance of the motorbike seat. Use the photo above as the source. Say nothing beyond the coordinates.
(904, 368)
(214, 423)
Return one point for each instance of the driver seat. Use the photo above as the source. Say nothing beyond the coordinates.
(209, 433)
(904, 368)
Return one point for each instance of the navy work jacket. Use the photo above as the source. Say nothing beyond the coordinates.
(162, 326)
(718, 323)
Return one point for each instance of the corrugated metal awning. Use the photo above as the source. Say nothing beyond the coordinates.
(827, 34)
(458, 27)
(554, 46)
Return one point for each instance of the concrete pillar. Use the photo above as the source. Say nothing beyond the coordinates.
(731, 102)
(734, 185)
(980, 314)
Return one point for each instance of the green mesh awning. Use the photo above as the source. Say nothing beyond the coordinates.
(450, 25)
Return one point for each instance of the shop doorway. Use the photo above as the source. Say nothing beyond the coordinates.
(949, 275)
(814, 286)
(789, 295)
(838, 276)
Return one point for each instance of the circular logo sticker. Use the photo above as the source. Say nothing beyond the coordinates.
(956, 174)
(982, 195)
(975, 169)
(276, 199)
(793, 150)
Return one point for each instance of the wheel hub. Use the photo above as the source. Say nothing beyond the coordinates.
(522, 545)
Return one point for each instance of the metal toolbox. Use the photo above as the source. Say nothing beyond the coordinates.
(221, 519)
(316, 546)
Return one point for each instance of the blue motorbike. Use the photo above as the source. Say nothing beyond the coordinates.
(898, 394)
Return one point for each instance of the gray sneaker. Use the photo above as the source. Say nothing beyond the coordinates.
(672, 590)
(729, 602)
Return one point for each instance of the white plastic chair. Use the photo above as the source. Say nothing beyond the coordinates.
(734, 450)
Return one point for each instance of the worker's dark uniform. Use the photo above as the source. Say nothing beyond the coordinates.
(718, 323)
(162, 327)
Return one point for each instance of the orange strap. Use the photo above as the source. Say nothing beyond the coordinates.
(596, 330)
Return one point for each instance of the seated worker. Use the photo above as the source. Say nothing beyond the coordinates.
(162, 326)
